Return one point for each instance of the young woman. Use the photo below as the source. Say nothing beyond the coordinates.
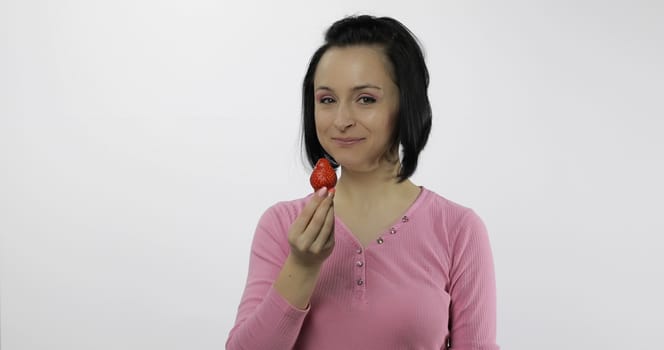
(376, 262)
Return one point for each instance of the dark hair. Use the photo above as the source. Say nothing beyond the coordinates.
(411, 77)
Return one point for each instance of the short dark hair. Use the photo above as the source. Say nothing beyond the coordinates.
(411, 76)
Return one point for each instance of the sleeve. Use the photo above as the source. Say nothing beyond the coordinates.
(472, 288)
(265, 320)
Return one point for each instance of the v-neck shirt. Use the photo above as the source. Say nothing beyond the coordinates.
(424, 283)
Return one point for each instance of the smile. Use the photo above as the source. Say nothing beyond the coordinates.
(347, 141)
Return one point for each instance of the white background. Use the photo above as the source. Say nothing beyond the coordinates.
(140, 141)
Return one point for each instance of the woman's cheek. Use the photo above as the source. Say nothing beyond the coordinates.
(323, 120)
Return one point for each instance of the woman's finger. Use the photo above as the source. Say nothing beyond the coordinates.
(315, 224)
(326, 233)
(302, 221)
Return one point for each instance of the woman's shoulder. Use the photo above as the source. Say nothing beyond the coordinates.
(278, 217)
(437, 204)
(289, 208)
(440, 210)
(449, 216)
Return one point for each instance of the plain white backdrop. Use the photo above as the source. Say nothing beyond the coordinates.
(140, 141)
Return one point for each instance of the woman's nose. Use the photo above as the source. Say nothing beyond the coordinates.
(343, 119)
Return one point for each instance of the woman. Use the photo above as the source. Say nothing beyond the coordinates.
(376, 262)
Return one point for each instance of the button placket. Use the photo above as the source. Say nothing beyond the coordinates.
(360, 274)
(394, 229)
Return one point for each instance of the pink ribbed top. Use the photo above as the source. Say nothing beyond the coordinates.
(425, 283)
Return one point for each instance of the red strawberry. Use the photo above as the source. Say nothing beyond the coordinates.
(323, 175)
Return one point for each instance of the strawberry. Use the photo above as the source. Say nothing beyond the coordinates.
(323, 175)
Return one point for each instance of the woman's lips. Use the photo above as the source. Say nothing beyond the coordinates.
(347, 141)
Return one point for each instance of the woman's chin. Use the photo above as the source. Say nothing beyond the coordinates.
(357, 166)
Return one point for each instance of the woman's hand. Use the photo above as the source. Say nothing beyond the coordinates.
(311, 236)
(311, 239)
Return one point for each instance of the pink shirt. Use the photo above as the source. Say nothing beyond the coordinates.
(426, 281)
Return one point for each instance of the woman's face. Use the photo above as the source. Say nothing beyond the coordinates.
(356, 103)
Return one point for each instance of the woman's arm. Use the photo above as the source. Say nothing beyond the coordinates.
(472, 288)
(284, 267)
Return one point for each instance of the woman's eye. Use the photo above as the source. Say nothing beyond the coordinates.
(326, 100)
(367, 100)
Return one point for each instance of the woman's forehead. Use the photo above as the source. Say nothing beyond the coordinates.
(353, 66)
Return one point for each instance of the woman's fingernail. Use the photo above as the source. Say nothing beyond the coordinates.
(331, 191)
(321, 191)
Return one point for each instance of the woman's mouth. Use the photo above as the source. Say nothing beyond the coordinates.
(347, 141)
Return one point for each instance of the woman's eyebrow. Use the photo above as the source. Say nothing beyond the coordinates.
(366, 86)
(356, 88)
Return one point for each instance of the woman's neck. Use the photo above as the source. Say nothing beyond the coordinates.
(372, 188)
